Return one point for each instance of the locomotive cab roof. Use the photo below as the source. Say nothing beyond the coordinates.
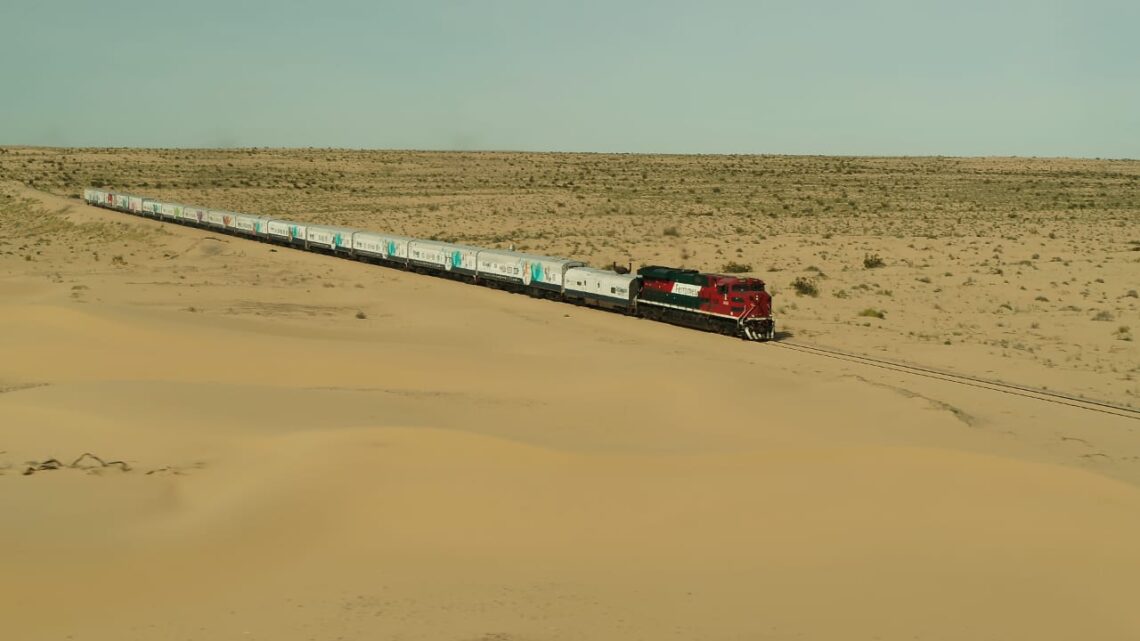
(658, 272)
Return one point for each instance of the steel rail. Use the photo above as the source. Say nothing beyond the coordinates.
(1039, 394)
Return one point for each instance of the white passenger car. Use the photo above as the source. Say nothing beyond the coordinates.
(193, 215)
(386, 246)
(286, 229)
(544, 272)
(596, 285)
(98, 197)
(443, 256)
(170, 210)
(250, 224)
(218, 218)
(330, 237)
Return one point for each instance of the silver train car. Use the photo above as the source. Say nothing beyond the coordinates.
(533, 274)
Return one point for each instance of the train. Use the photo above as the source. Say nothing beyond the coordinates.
(721, 303)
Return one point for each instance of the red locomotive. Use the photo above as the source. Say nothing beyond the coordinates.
(711, 302)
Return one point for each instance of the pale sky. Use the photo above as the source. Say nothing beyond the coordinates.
(1029, 78)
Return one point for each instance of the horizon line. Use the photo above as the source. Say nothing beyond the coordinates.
(567, 152)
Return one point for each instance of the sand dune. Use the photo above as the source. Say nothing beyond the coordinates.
(467, 464)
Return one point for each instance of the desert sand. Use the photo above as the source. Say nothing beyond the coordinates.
(322, 449)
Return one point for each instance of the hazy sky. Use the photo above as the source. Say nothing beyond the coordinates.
(1043, 77)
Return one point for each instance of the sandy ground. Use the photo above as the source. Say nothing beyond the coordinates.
(1020, 269)
(467, 464)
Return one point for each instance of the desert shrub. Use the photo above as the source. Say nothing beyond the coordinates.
(361, 315)
(805, 287)
(733, 267)
(671, 231)
(871, 312)
(1132, 294)
(873, 261)
(1103, 315)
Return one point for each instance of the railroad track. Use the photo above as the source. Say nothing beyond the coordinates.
(1035, 393)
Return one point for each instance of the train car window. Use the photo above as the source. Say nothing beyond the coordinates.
(737, 299)
(737, 310)
(723, 289)
(741, 287)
